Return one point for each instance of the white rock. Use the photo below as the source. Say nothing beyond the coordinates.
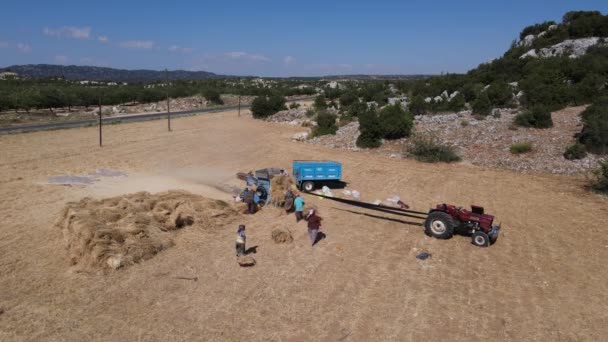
(428, 99)
(445, 94)
(532, 54)
(300, 136)
(552, 27)
(528, 40)
(438, 99)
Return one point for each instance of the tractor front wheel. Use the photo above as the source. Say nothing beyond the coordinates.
(439, 225)
(308, 186)
(481, 239)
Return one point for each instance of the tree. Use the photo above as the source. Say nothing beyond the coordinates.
(348, 98)
(213, 96)
(326, 124)
(418, 106)
(395, 122)
(320, 103)
(369, 126)
(500, 94)
(482, 105)
(594, 134)
(457, 103)
(260, 108)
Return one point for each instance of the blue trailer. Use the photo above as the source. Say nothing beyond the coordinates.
(310, 174)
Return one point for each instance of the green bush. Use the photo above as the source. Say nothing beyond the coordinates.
(457, 103)
(427, 149)
(213, 96)
(595, 127)
(326, 124)
(500, 94)
(320, 103)
(537, 117)
(575, 151)
(369, 126)
(348, 99)
(395, 122)
(263, 106)
(356, 109)
(520, 148)
(418, 106)
(294, 105)
(600, 183)
(482, 105)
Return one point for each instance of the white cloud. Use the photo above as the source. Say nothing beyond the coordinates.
(138, 44)
(61, 59)
(103, 39)
(68, 31)
(289, 60)
(239, 55)
(176, 48)
(25, 48)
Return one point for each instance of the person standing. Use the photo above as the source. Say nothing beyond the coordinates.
(314, 224)
(249, 200)
(298, 203)
(240, 241)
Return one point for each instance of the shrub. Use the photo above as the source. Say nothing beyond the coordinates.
(600, 183)
(395, 122)
(427, 149)
(519, 148)
(537, 117)
(326, 124)
(356, 109)
(500, 94)
(595, 127)
(294, 105)
(418, 106)
(575, 151)
(482, 105)
(213, 96)
(263, 106)
(457, 103)
(464, 123)
(348, 98)
(320, 103)
(369, 126)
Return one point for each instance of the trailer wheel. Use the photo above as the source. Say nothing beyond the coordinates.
(439, 225)
(481, 239)
(308, 186)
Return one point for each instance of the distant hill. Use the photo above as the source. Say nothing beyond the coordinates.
(92, 73)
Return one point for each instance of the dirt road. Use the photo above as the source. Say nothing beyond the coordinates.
(545, 279)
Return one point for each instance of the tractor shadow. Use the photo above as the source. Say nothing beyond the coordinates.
(418, 224)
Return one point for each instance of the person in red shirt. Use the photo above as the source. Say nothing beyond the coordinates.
(314, 224)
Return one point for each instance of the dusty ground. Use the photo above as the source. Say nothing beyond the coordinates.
(544, 280)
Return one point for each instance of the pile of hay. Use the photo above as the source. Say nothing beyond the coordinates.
(120, 231)
(278, 187)
(282, 236)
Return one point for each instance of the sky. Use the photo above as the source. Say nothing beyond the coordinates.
(272, 38)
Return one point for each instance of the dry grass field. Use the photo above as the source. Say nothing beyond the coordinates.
(544, 280)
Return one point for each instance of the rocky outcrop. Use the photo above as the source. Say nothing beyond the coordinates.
(572, 48)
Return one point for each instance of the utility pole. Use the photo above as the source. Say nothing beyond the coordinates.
(168, 108)
(100, 123)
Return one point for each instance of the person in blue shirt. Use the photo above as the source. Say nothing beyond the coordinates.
(298, 202)
(240, 240)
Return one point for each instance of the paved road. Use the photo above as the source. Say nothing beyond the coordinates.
(121, 119)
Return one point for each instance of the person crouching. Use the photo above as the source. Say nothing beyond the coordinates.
(240, 240)
(314, 224)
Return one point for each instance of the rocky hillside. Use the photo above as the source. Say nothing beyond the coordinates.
(91, 73)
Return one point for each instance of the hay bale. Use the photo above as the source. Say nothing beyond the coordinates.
(246, 261)
(120, 231)
(282, 236)
(278, 188)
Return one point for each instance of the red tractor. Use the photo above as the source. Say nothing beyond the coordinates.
(445, 220)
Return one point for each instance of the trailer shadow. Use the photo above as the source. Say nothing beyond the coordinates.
(381, 217)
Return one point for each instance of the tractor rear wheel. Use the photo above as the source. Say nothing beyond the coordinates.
(481, 239)
(308, 186)
(439, 225)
